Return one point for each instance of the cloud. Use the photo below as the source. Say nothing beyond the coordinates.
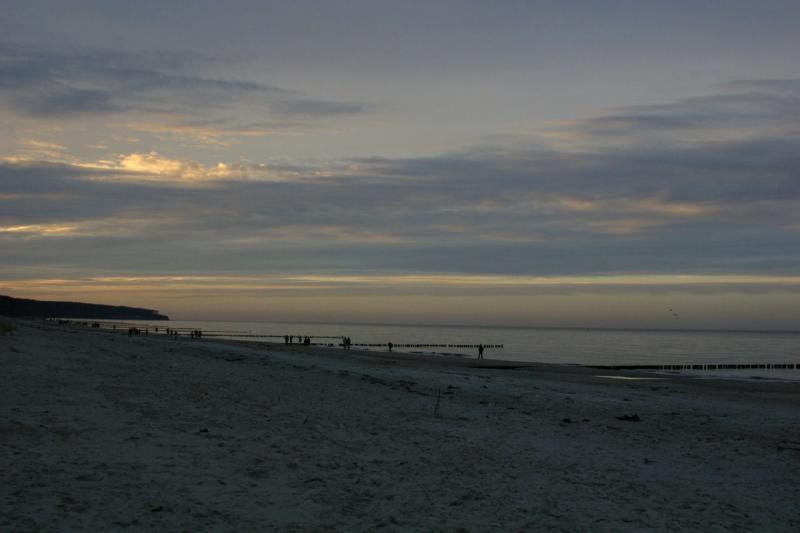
(318, 108)
(38, 149)
(159, 167)
(712, 207)
(147, 168)
(414, 284)
(49, 83)
(741, 111)
(209, 133)
(66, 83)
(786, 86)
(40, 229)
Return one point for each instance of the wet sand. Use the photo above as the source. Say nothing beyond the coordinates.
(101, 431)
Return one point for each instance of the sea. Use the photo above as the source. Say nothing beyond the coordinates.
(573, 346)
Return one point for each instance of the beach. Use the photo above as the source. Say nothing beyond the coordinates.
(104, 431)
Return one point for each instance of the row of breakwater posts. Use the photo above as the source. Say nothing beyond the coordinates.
(254, 336)
(705, 366)
(361, 344)
(386, 345)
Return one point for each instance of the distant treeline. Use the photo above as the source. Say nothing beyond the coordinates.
(34, 308)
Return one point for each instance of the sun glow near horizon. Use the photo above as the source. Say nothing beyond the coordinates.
(701, 302)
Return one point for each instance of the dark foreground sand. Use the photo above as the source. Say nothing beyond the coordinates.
(99, 431)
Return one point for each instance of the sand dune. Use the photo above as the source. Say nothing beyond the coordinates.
(101, 431)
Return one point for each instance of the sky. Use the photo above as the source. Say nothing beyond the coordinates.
(526, 163)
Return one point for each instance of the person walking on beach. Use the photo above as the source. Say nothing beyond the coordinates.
(390, 346)
(480, 351)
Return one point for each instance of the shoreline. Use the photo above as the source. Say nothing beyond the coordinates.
(757, 356)
(551, 370)
(104, 431)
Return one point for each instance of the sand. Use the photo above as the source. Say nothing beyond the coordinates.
(101, 431)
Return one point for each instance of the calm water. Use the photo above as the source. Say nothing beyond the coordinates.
(569, 346)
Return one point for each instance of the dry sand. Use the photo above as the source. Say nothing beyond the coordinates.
(101, 431)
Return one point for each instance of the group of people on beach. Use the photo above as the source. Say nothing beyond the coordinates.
(194, 334)
(288, 339)
(346, 343)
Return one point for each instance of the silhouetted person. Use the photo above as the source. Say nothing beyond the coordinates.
(390, 346)
(480, 351)
(286, 339)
